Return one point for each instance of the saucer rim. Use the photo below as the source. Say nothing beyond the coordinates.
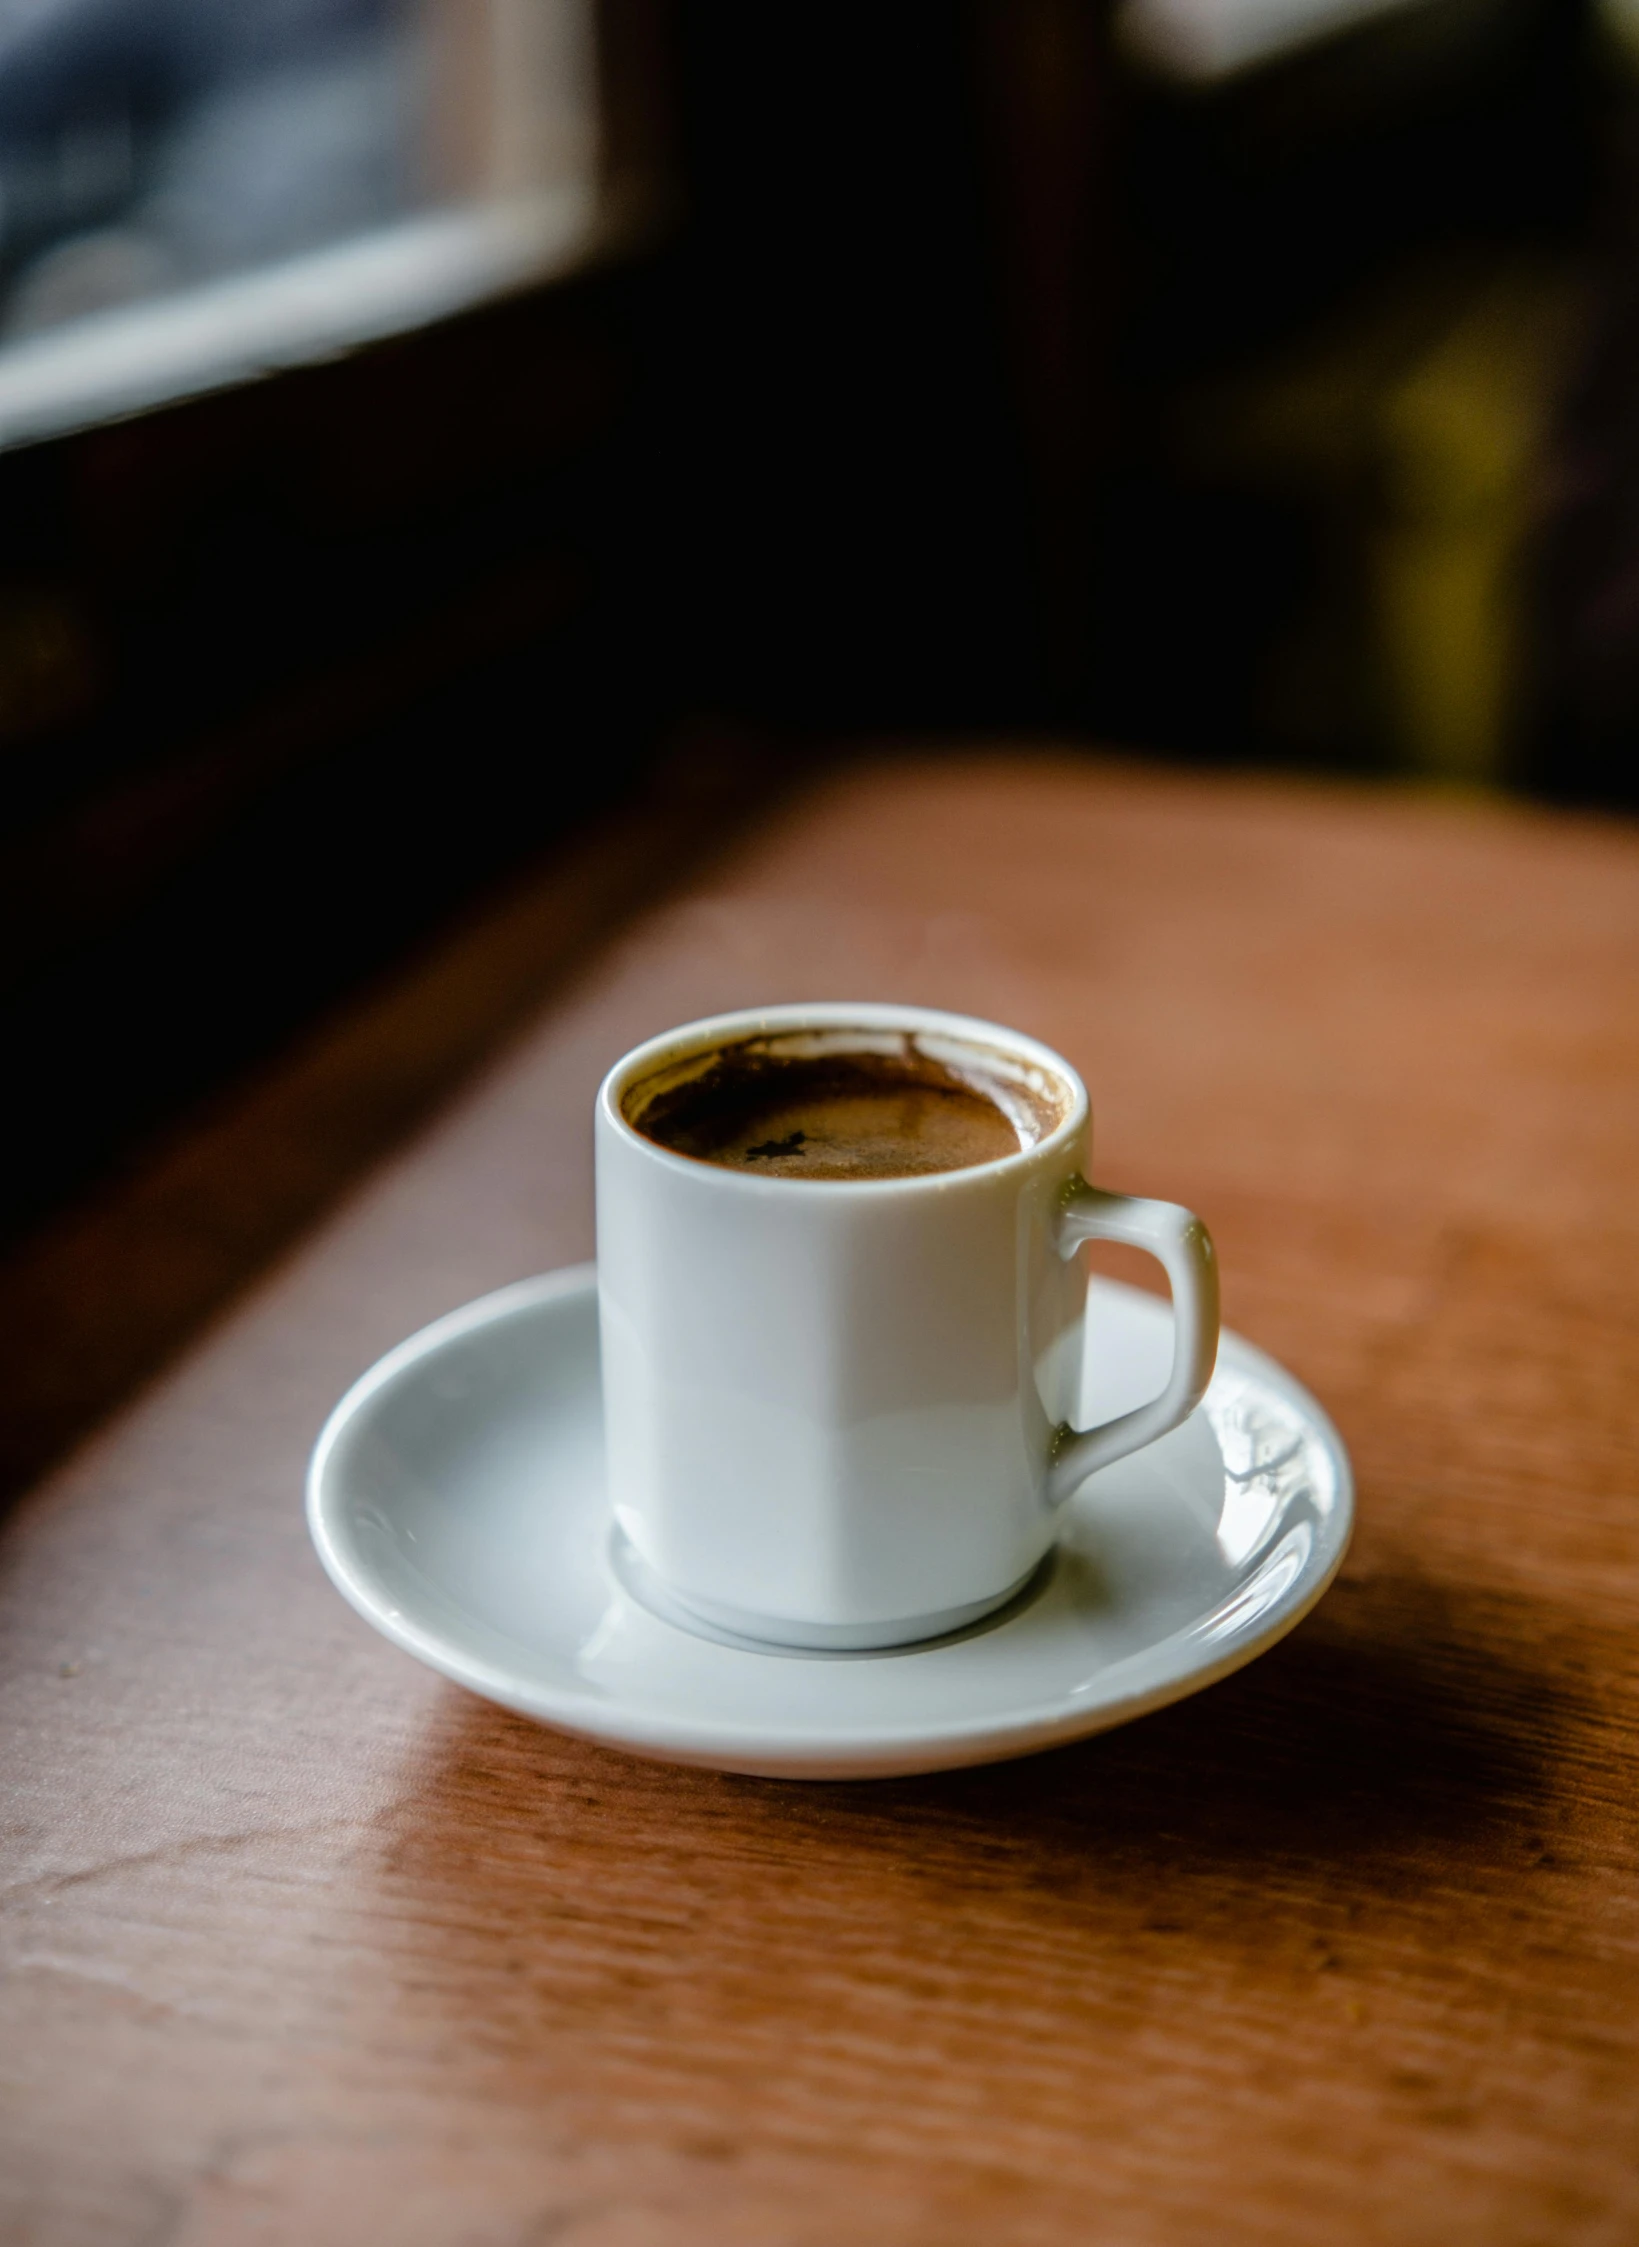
(838, 1752)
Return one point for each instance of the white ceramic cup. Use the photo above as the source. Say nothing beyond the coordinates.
(839, 1413)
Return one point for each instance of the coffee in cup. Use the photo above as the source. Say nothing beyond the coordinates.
(815, 1107)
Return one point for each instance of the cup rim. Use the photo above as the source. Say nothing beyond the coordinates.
(742, 1022)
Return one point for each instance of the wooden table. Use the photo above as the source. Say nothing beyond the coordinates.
(303, 1944)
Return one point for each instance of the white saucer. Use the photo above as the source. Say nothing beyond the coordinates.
(456, 1498)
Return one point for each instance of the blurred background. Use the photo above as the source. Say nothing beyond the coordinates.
(427, 426)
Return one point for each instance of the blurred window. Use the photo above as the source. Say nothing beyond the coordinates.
(1207, 39)
(193, 192)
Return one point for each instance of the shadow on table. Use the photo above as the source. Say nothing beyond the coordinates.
(1298, 1854)
(1398, 1725)
(1378, 1788)
(1404, 1729)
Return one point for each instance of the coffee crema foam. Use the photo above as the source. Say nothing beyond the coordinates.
(824, 1106)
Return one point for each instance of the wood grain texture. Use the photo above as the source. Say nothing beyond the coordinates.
(303, 1944)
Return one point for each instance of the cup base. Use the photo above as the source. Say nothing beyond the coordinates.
(732, 1626)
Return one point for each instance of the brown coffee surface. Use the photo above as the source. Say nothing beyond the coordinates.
(838, 1116)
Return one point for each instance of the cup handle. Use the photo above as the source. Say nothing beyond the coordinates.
(1178, 1239)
